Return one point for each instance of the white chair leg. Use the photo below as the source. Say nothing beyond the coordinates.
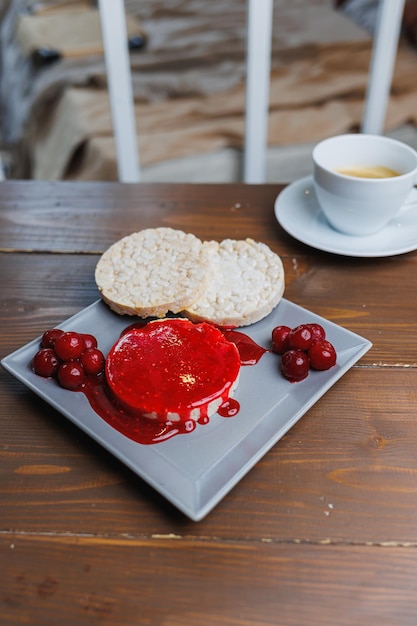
(113, 25)
(258, 65)
(383, 57)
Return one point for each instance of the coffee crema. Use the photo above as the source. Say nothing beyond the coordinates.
(368, 171)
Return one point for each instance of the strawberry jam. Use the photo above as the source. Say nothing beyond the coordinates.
(173, 370)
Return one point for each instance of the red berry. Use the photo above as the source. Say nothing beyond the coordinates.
(45, 363)
(71, 375)
(90, 341)
(317, 330)
(69, 346)
(50, 336)
(322, 355)
(295, 365)
(301, 337)
(280, 339)
(92, 361)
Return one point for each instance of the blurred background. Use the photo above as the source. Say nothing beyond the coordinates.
(188, 61)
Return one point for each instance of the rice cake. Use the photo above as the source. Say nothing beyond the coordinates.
(154, 271)
(248, 283)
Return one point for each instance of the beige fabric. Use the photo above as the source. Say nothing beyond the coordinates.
(74, 33)
(189, 86)
(308, 102)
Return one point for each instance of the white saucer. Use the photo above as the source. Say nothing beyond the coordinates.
(298, 212)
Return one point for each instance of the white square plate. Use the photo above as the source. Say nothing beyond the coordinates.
(196, 470)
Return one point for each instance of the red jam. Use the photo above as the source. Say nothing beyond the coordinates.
(172, 370)
(250, 352)
(132, 425)
(203, 352)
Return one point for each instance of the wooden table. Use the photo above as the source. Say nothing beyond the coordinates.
(322, 531)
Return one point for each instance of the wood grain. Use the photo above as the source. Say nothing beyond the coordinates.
(178, 582)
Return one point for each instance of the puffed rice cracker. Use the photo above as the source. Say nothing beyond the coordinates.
(153, 272)
(248, 283)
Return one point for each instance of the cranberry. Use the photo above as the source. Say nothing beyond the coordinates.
(295, 365)
(71, 375)
(301, 337)
(50, 336)
(92, 361)
(322, 355)
(280, 339)
(317, 330)
(90, 341)
(45, 363)
(69, 346)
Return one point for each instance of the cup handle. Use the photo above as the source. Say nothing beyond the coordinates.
(410, 202)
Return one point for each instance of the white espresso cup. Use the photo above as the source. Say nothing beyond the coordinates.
(353, 199)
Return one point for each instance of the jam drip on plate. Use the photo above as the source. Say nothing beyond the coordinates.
(249, 351)
(133, 425)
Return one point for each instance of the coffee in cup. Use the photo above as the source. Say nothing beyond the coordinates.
(363, 181)
(368, 171)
